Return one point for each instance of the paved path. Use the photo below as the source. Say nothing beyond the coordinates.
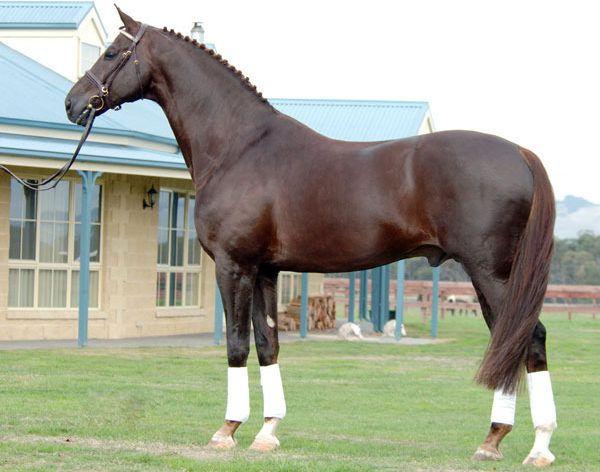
(198, 340)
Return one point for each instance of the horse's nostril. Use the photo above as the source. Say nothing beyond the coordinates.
(68, 104)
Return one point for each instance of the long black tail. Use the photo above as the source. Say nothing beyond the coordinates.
(513, 328)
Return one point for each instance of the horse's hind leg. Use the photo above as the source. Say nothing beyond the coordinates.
(237, 285)
(490, 293)
(264, 321)
(541, 400)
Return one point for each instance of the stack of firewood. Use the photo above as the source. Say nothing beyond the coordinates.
(321, 314)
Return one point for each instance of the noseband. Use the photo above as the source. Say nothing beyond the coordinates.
(97, 101)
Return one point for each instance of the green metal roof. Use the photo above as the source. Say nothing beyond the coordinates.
(44, 15)
(356, 120)
(37, 94)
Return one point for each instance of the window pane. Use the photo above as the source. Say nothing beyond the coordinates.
(161, 289)
(30, 198)
(14, 251)
(177, 247)
(22, 201)
(26, 287)
(164, 203)
(94, 288)
(177, 210)
(163, 246)
(45, 288)
(74, 289)
(28, 242)
(55, 204)
(61, 201)
(59, 288)
(190, 214)
(193, 248)
(16, 199)
(191, 289)
(176, 289)
(297, 285)
(46, 241)
(52, 288)
(61, 242)
(13, 287)
(285, 288)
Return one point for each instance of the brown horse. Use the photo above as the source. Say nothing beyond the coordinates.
(472, 197)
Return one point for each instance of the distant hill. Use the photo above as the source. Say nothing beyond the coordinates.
(574, 215)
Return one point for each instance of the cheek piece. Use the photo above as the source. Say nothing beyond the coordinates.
(97, 101)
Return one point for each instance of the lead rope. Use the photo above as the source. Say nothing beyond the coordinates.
(52, 181)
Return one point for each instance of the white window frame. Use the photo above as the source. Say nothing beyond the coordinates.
(295, 288)
(186, 268)
(71, 265)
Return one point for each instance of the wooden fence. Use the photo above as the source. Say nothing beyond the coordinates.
(570, 299)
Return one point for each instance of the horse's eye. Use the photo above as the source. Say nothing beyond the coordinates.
(110, 54)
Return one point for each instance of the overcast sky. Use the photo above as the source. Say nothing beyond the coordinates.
(525, 70)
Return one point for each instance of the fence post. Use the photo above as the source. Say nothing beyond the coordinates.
(304, 306)
(399, 298)
(435, 299)
(375, 297)
(385, 296)
(351, 295)
(362, 304)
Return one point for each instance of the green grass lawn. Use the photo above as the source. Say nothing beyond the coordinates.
(351, 406)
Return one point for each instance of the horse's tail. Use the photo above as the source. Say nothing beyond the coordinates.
(513, 327)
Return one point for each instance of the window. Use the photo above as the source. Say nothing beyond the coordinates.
(44, 246)
(290, 286)
(179, 256)
(89, 55)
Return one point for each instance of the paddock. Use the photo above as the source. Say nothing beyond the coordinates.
(353, 406)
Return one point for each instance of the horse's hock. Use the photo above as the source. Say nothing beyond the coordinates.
(321, 314)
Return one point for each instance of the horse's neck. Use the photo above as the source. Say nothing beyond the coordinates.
(212, 114)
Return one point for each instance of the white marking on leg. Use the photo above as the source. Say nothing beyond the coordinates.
(270, 322)
(238, 394)
(543, 415)
(503, 407)
(272, 387)
(274, 408)
(503, 411)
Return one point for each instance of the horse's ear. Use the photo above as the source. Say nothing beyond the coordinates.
(130, 23)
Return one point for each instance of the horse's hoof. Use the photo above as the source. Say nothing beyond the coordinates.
(265, 444)
(222, 443)
(539, 458)
(487, 454)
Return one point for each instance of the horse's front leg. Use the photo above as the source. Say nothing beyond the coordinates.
(264, 321)
(237, 285)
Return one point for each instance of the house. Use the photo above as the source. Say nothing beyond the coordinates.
(147, 273)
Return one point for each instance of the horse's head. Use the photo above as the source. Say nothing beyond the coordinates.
(120, 75)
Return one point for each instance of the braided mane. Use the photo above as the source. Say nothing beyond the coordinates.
(230, 67)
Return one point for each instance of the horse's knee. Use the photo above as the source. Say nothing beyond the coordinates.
(237, 355)
(267, 352)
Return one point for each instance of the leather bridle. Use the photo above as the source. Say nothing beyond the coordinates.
(97, 101)
(95, 104)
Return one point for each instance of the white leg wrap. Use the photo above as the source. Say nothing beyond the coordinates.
(238, 394)
(541, 399)
(272, 387)
(543, 415)
(503, 408)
